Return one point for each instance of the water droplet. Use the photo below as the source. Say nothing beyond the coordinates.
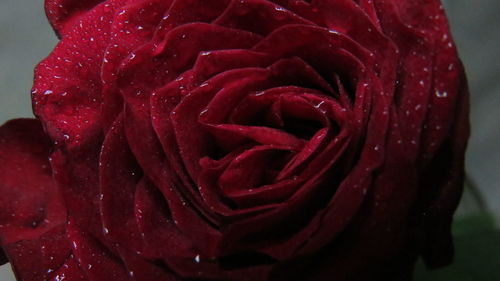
(203, 112)
(197, 259)
(319, 104)
(441, 94)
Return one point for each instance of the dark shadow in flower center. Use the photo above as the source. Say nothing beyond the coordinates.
(300, 127)
(242, 260)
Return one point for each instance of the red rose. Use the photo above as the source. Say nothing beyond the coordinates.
(237, 140)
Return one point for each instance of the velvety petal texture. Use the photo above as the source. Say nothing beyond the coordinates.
(238, 140)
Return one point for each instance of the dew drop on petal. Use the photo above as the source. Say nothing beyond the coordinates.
(441, 94)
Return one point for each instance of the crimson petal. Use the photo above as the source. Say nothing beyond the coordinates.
(32, 212)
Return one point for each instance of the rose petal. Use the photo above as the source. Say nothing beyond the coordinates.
(31, 202)
(247, 170)
(160, 233)
(143, 270)
(131, 28)
(60, 12)
(212, 193)
(67, 89)
(119, 176)
(257, 16)
(95, 259)
(189, 132)
(42, 257)
(334, 53)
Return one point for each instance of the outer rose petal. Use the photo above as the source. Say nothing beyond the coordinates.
(32, 214)
(67, 91)
(60, 12)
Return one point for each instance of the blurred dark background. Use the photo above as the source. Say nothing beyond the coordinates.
(26, 38)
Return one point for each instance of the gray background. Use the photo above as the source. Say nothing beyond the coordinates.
(26, 38)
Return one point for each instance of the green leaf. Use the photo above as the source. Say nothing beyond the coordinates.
(477, 253)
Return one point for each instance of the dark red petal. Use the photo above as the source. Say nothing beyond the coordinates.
(248, 170)
(133, 26)
(211, 63)
(269, 195)
(363, 31)
(444, 179)
(164, 100)
(212, 194)
(344, 204)
(31, 203)
(334, 53)
(350, 194)
(162, 238)
(119, 175)
(41, 258)
(151, 230)
(162, 103)
(148, 153)
(368, 7)
(257, 16)
(95, 259)
(262, 135)
(291, 216)
(67, 90)
(140, 133)
(300, 73)
(70, 270)
(380, 231)
(140, 269)
(188, 11)
(60, 12)
(77, 175)
(317, 142)
(191, 137)
(152, 67)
